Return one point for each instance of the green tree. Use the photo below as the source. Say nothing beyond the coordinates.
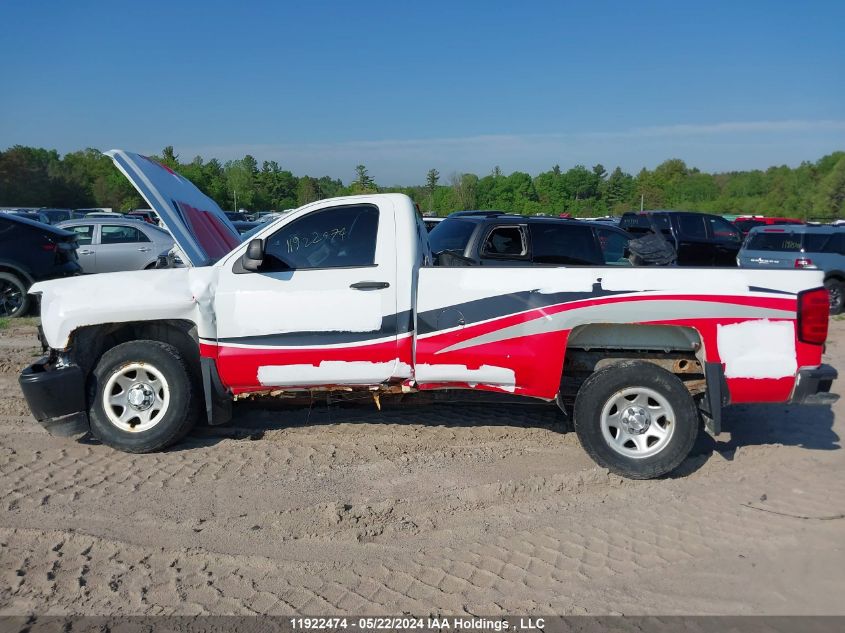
(431, 179)
(465, 187)
(830, 199)
(307, 191)
(363, 183)
(618, 190)
(581, 183)
(170, 158)
(240, 184)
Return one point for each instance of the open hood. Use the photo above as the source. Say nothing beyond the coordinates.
(202, 231)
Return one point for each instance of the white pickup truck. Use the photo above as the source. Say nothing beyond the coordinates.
(341, 294)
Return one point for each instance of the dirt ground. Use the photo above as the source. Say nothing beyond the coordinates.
(449, 508)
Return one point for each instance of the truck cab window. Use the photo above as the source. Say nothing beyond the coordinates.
(338, 237)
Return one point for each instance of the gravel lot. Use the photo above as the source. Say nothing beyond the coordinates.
(448, 508)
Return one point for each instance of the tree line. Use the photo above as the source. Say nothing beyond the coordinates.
(35, 177)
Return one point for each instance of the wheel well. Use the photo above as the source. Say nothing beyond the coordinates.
(592, 347)
(17, 272)
(837, 275)
(88, 344)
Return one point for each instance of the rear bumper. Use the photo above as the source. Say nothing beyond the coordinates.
(812, 386)
(56, 397)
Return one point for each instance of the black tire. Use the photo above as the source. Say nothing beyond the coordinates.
(606, 386)
(835, 289)
(170, 424)
(14, 301)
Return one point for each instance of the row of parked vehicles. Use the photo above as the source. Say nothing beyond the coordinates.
(111, 242)
(490, 238)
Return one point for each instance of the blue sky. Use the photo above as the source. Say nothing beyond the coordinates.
(406, 86)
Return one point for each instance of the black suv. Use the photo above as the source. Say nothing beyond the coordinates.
(700, 239)
(495, 238)
(29, 252)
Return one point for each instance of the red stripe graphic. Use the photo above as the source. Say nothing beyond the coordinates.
(535, 359)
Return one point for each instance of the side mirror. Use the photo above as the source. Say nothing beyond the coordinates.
(254, 255)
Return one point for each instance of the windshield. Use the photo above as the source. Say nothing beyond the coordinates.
(450, 235)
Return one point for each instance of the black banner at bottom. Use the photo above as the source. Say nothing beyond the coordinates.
(422, 624)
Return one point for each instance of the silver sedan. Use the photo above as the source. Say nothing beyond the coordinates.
(108, 245)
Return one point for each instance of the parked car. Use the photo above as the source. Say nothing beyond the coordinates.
(700, 239)
(30, 252)
(747, 222)
(109, 245)
(147, 215)
(494, 238)
(340, 295)
(814, 247)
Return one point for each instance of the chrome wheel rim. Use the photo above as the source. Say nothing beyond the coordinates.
(11, 298)
(637, 422)
(136, 397)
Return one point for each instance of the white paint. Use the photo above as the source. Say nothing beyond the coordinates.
(328, 372)
(500, 377)
(262, 306)
(758, 349)
(143, 295)
(705, 281)
(443, 287)
(403, 370)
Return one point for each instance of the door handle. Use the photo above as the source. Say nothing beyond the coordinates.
(85, 252)
(370, 285)
(145, 250)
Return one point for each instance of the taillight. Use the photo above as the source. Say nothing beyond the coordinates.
(49, 247)
(813, 312)
(804, 262)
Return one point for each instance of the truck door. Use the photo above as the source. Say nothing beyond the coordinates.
(321, 309)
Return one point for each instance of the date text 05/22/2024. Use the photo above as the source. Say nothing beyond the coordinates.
(418, 624)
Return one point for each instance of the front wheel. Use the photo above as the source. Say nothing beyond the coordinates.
(636, 419)
(141, 397)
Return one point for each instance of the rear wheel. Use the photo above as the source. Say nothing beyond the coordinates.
(14, 301)
(835, 291)
(636, 419)
(141, 397)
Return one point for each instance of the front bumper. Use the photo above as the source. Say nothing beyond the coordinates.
(56, 397)
(813, 386)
